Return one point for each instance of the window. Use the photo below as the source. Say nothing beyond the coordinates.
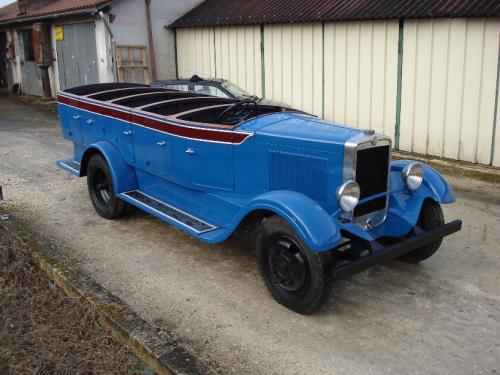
(26, 40)
(177, 87)
(209, 90)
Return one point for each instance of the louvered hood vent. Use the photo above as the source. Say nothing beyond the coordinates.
(296, 171)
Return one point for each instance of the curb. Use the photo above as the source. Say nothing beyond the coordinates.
(159, 352)
(454, 167)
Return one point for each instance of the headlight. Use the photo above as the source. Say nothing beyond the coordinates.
(348, 195)
(413, 175)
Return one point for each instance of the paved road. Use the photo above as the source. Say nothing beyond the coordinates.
(438, 317)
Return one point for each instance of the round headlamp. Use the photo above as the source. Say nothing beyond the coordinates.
(348, 195)
(413, 175)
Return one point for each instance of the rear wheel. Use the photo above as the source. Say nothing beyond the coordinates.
(431, 217)
(295, 276)
(101, 189)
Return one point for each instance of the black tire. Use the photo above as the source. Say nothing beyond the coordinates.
(431, 217)
(101, 189)
(295, 276)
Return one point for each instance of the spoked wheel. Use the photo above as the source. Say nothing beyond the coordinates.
(101, 189)
(295, 276)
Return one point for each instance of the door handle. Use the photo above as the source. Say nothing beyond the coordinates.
(127, 132)
(76, 117)
(161, 144)
(90, 122)
(190, 151)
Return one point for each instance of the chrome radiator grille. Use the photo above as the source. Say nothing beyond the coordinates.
(372, 172)
(367, 158)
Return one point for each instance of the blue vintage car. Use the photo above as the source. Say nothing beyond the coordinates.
(327, 199)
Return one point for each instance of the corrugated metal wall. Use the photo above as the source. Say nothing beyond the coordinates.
(229, 52)
(347, 72)
(238, 58)
(449, 84)
(196, 52)
(361, 62)
(293, 62)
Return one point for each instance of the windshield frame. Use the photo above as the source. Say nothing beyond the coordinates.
(235, 90)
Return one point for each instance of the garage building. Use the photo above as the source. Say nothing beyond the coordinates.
(424, 72)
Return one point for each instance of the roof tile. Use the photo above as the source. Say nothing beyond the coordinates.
(10, 12)
(243, 12)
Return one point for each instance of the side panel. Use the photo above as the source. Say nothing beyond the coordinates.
(69, 118)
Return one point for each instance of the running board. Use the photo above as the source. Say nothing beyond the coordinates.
(70, 166)
(167, 212)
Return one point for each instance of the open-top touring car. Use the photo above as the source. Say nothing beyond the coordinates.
(327, 199)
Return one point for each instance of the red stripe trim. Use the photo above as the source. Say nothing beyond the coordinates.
(161, 125)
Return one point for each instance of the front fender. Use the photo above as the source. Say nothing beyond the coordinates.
(404, 205)
(434, 183)
(123, 175)
(310, 221)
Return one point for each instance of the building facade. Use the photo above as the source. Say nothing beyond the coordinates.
(425, 73)
(89, 41)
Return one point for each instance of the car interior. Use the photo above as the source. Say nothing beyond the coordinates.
(182, 105)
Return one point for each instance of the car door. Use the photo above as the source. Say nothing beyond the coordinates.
(92, 127)
(124, 134)
(210, 164)
(70, 123)
(151, 147)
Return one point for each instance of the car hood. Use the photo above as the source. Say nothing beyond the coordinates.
(307, 128)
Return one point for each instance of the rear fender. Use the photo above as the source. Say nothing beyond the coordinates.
(123, 175)
(309, 220)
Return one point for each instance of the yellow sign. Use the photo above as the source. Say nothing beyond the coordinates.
(59, 33)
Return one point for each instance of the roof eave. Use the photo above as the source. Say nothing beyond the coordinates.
(16, 21)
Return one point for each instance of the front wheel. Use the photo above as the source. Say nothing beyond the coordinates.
(295, 276)
(431, 217)
(101, 189)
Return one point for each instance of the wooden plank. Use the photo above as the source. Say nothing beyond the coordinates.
(145, 71)
(131, 61)
(119, 64)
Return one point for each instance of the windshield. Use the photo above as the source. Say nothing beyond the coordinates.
(236, 91)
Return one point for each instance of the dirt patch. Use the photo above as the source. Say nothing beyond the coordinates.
(44, 332)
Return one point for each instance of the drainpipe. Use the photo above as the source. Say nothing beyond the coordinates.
(113, 44)
(150, 41)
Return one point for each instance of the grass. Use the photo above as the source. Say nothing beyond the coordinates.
(42, 331)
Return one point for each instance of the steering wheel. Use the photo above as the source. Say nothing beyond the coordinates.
(238, 112)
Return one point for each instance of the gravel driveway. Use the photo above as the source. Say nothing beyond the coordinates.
(438, 317)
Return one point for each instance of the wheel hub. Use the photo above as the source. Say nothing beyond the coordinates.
(287, 264)
(102, 187)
